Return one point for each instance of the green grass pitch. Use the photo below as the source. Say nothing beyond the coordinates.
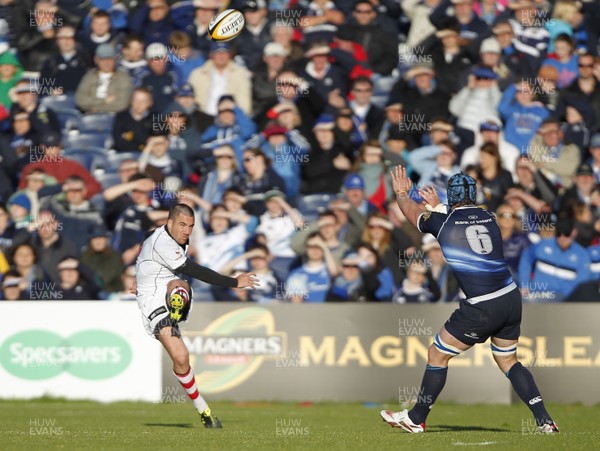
(58, 424)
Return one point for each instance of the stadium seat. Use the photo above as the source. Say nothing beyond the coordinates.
(97, 123)
(84, 140)
(98, 201)
(115, 159)
(69, 118)
(92, 158)
(108, 179)
(311, 205)
(58, 103)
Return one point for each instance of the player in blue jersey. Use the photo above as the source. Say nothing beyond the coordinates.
(471, 243)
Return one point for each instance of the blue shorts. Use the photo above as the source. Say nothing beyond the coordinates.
(499, 317)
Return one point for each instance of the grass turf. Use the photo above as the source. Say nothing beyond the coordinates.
(59, 424)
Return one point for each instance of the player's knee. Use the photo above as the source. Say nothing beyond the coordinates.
(181, 360)
(178, 283)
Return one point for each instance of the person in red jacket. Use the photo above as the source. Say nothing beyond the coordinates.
(47, 157)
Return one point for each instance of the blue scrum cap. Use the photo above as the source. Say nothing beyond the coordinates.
(461, 187)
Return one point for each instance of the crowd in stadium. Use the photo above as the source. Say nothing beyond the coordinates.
(282, 140)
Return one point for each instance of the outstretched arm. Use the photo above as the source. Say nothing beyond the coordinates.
(401, 185)
(193, 269)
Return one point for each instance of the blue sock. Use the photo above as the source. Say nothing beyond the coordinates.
(433, 382)
(524, 385)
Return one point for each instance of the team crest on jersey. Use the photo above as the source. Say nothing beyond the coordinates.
(426, 215)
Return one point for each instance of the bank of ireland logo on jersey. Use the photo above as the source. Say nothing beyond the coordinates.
(233, 347)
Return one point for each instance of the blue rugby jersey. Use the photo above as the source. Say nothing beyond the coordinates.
(472, 245)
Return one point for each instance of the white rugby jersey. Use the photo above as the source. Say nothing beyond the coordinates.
(279, 231)
(159, 258)
(216, 250)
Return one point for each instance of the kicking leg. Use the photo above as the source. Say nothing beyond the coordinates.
(178, 299)
(182, 370)
(444, 347)
(505, 355)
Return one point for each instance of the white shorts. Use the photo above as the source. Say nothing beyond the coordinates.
(154, 309)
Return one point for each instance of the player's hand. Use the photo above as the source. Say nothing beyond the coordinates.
(400, 182)
(429, 194)
(247, 279)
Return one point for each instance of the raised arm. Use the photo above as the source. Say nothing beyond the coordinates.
(402, 185)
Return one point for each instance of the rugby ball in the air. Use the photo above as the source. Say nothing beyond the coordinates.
(227, 25)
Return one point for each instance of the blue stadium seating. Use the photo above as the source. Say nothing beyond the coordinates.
(115, 159)
(97, 123)
(92, 158)
(311, 205)
(58, 103)
(69, 118)
(108, 179)
(84, 140)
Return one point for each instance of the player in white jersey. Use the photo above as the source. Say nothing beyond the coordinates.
(165, 299)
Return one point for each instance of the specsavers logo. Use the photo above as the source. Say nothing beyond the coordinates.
(233, 347)
(41, 354)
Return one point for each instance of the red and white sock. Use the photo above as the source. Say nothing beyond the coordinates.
(188, 382)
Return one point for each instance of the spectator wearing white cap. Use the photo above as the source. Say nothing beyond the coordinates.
(104, 89)
(221, 76)
(160, 80)
(264, 77)
(62, 72)
(490, 54)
